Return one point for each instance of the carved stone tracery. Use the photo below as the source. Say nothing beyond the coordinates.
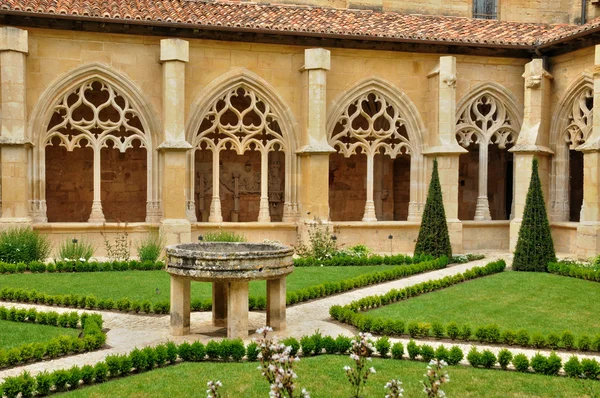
(579, 125)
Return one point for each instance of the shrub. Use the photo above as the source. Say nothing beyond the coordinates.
(465, 333)
(343, 344)
(147, 306)
(438, 330)
(101, 372)
(150, 355)
(413, 350)
(538, 340)
(596, 343)
(573, 367)
(23, 245)
(252, 352)
(584, 343)
(139, 359)
(397, 350)
(212, 349)
(523, 338)
(161, 354)
(87, 374)
(44, 383)
(442, 354)
(113, 364)
(383, 346)
(590, 368)
(185, 351)
(11, 386)
(151, 247)
(223, 236)
(308, 345)
(27, 385)
(433, 233)
(293, 343)
(60, 378)
(73, 250)
(171, 352)
(452, 331)
(539, 363)
(488, 359)
(504, 358)
(125, 364)
(329, 345)
(318, 342)
(474, 357)
(427, 352)
(237, 350)
(74, 377)
(568, 340)
(455, 355)
(225, 349)
(521, 363)
(553, 340)
(119, 249)
(320, 243)
(123, 304)
(554, 364)
(535, 248)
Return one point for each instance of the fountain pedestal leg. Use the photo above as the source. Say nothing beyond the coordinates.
(276, 303)
(237, 310)
(180, 305)
(219, 303)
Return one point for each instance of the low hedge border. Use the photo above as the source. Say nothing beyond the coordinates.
(92, 338)
(39, 267)
(573, 270)
(149, 358)
(398, 259)
(255, 303)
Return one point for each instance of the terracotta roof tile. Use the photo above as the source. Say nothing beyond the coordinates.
(306, 20)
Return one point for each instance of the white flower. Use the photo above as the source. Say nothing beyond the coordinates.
(372, 369)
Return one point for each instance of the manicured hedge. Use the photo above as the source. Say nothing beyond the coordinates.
(142, 360)
(93, 338)
(574, 270)
(255, 303)
(80, 266)
(340, 260)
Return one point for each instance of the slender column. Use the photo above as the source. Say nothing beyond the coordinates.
(237, 310)
(276, 303)
(97, 216)
(180, 305)
(482, 211)
(219, 303)
(263, 213)
(370, 204)
(215, 203)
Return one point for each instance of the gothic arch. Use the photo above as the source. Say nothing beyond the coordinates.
(571, 126)
(275, 121)
(487, 115)
(394, 127)
(135, 101)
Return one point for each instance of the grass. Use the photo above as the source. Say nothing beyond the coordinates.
(324, 377)
(14, 334)
(537, 302)
(138, 285)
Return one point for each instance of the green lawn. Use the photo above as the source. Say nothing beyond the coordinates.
(324, 377)
(14, 334)
(142, 285)
(512, 300)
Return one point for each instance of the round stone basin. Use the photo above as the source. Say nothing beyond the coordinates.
(229, 261)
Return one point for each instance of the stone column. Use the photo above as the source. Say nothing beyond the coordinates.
(237, 310)
(97, 215)
(482, 209)
(263, 212)
(443, 144)
(276, 297)
(174, 53)
(215, 203)
(315, 150)
(14, 145)
(370, 214)
(180, 305)
(219, 303)
(532, 142)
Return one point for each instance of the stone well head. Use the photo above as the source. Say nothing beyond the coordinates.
(229, 261)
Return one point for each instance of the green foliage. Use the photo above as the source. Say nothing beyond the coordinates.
(212, 349)
(293, 343)
(427, 352)
(75, 250)
(223, 236)
(452, 330)
(43, 383)
(150, 247)
(504, 358)
(397, 350)
(455, 355)
(308, 345)
(568, 340)
(442, 354)
(252, 352)
(488, 359)
(119, 248)
(573, 367)
(413, 350)
(535, 249)
(521, 363)
(343, 344)
(433, 234)
(320, 243)
(23, 245)
(383, 345)
(474, 357)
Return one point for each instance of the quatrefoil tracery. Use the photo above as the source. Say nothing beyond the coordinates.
(580, 123)
(240, 120)
(485, 120)
(96, 114)
(371, 124)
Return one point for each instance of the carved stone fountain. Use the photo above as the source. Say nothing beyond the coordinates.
(229, 266)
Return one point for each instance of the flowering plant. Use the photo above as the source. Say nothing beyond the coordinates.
(395, 387)
(213, 389)
(436, 376)
(277, 365)
(360, 353)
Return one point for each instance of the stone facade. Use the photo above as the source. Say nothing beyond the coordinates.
(192, 135)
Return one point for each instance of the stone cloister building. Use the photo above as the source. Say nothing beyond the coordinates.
(188, 116)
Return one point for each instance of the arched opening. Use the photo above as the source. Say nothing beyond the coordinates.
(241, 150)
(575, 184)
(487, 126)
(96, 160)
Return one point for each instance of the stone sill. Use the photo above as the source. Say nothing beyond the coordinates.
(243, 225)
(84, 226)
(376, 224)
(488, 223)
(564, 224)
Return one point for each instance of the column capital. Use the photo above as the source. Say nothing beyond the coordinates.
(174, 50)
(535, 73)
(316, 58)
(13, 39)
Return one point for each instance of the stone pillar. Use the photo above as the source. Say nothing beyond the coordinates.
(237, 310)
(263, 212)
(180, 305)
(588, 231)
(219, 303)
(276, 297)
(370, 214)
(97, 215)
(315, 149)
(443, 145)
(174, 53)
(14, 145)
(215, 203)
(482, 209)
(532, 142)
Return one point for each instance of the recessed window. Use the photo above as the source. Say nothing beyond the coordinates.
(485, 9)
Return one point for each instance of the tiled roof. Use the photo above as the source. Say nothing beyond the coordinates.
(302, 20)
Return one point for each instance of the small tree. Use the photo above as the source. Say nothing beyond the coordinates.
(535, 248)
(433, 233)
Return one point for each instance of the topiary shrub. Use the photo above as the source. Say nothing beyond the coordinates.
(521, 363)
(433, 233)
(504, 358)
(383, 346)
(397, 350)
(455, 355)
(535, 248)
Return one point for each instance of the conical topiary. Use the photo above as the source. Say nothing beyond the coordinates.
(433, 234)
(535, 248)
